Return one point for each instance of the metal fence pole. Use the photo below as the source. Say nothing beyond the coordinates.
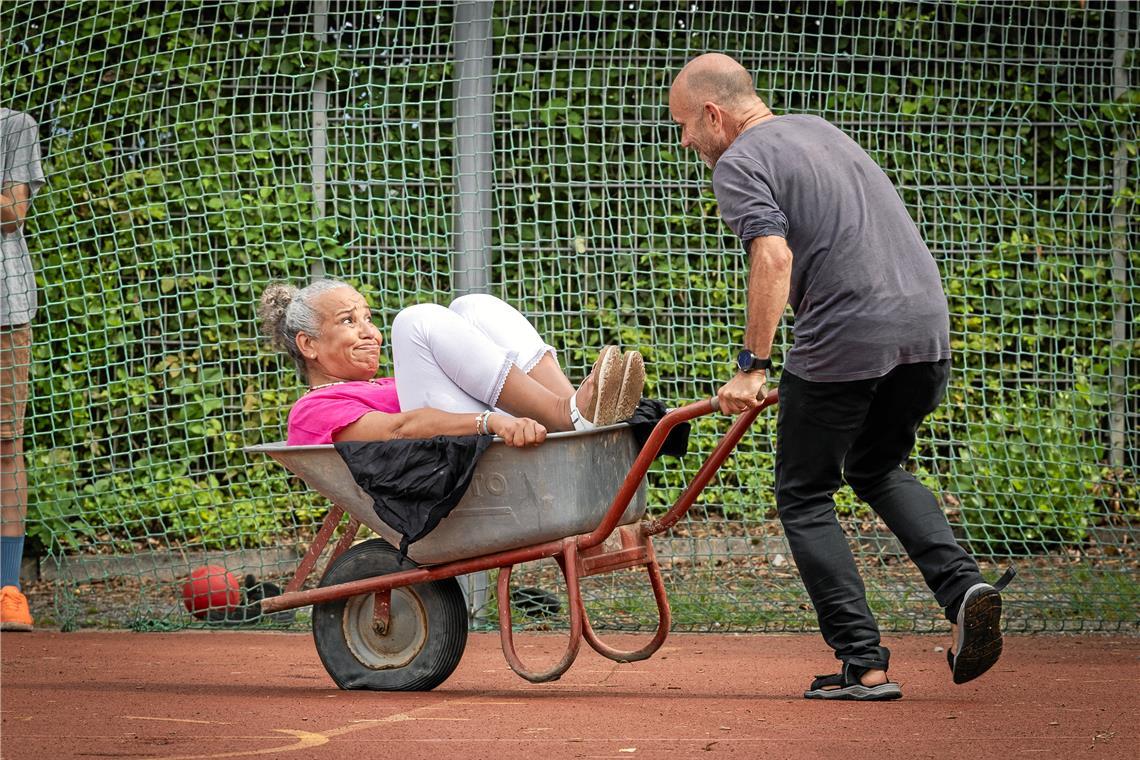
(474, 162)
(474, 176)
(319, 138)
(1117, 384)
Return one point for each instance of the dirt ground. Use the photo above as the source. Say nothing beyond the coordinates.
(237, 694)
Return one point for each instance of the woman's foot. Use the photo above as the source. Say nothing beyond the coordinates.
(595, 402)
(632, 385)
(581, 405)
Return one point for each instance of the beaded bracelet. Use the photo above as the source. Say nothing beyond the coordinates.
(481, 427)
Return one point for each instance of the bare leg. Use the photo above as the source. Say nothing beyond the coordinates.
(549, 375)
(15, 359)
(524, 396)
(13, 487)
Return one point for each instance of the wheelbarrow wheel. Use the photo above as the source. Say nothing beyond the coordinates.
(424, 638)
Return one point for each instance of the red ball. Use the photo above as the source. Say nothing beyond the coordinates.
(210, 587)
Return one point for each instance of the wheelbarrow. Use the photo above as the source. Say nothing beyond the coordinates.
(389, 622)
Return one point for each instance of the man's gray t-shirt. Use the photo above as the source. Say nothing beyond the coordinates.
(865, 290)
(19, 164)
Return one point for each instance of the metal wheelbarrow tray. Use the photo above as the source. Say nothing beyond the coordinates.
(517, 497)
(386, 622)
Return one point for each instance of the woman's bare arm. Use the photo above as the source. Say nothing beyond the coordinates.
(427, 423)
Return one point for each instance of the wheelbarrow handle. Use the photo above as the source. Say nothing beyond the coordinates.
(711, 405)
(770, 398)
(712, 464)
(649, 452)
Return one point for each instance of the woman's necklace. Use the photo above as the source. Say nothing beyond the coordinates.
(338, 382)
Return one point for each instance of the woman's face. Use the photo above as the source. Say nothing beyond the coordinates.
(348, 347)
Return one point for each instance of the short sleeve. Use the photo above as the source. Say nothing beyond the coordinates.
(746, 201)
(318, 420)
(319, 415)
(22, 144)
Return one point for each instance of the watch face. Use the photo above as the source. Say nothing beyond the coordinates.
(747, 361)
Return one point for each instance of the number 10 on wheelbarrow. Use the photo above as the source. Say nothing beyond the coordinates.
(390, 622)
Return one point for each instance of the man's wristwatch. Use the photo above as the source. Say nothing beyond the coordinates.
(746, 361)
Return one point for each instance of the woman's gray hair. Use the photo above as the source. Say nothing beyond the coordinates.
(286, 311)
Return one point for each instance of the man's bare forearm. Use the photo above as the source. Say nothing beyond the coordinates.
(769, 281)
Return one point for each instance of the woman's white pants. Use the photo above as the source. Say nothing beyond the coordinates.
(457, 358)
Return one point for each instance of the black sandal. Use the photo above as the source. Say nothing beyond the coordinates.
(979, 643)
(845, 685)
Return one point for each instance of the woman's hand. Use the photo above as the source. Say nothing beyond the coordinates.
(516, 431)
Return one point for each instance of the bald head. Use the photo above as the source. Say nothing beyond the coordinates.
(716, 78)
(713, 100)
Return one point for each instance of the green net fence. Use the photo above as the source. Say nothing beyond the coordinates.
(196, 151)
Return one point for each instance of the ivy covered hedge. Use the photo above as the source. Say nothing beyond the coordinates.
(177, 140)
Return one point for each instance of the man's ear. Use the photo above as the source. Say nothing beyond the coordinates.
(714, 114)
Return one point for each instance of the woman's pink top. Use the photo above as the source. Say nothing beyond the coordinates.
(323, 412)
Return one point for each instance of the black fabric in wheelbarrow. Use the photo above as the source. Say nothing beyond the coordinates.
(414, 483)
(649, 412)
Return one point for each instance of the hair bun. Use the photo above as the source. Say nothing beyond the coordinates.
(275, 299)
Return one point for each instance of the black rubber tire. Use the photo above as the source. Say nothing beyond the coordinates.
(426, 635)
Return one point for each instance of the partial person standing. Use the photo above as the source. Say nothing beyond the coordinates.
(21, 177)
(826, 232)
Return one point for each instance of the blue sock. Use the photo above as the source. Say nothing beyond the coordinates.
(11, 552)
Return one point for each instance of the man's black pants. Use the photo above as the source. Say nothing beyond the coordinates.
(862, 432)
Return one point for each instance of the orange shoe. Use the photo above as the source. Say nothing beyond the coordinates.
(14, 613)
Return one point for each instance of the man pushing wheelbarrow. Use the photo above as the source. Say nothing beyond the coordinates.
(826, 232)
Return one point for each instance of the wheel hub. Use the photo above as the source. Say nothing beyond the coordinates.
(398, 645)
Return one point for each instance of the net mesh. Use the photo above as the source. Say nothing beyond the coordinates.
(196, 151)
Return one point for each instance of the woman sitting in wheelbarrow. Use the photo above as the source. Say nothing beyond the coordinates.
(475, 367)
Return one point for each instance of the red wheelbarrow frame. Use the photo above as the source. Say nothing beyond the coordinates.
(578, 556)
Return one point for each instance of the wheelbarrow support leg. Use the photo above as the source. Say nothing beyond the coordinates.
(636, 547)
(309, 561)
(320, 541)
(568, 561)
